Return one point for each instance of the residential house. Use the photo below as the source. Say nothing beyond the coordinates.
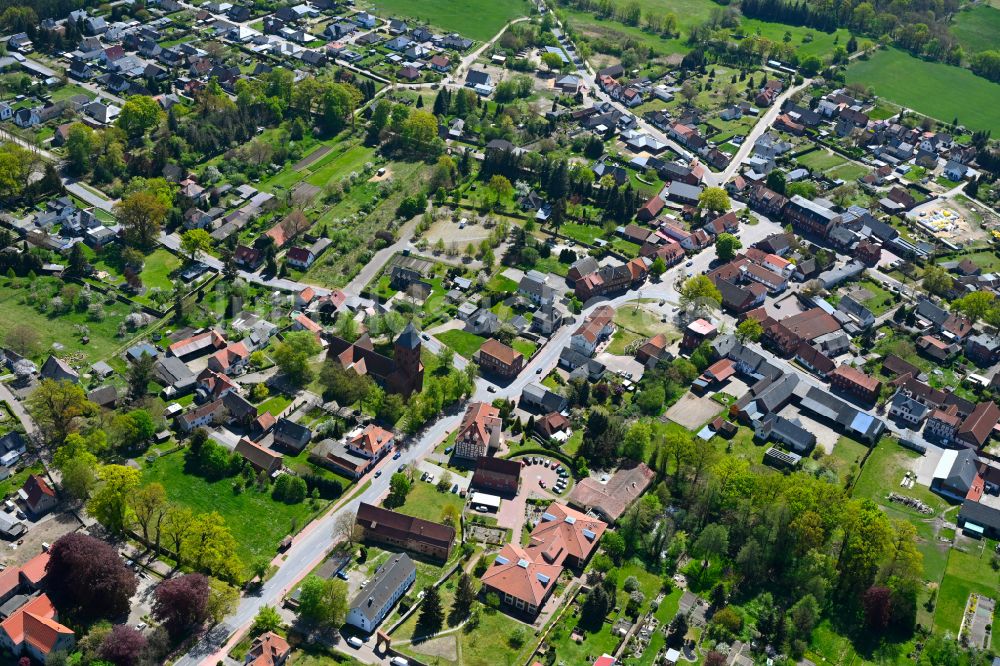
(810, 217)
(268, 649)
(38, 496)
(494, 357)
(33, 630)
(597, 327)
(59, 370)
(538, 398)
(398, 530)
(290, 436)
(612, 498)
(480, 433)
(231, 360)
(977, 428)
(533, 286)
(983, 349)
(262, 459)
(374, 602)
(788, 432)
(904, 408)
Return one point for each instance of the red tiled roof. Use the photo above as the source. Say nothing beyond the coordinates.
(372, 440)
(479, 419)
(267, 650)
(977, 428)
(500, 351)
(856, 377)
(34, 622)
(34, 569)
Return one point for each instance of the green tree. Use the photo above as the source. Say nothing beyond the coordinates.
(614, 545)
(267, 619)
(714, 199)
(58, 406)
(712, 542)
(637, 441)
(500, 187)
(697, 289)
(749, 330)
(465, 596)
(399, 488)
(431, 611)
(110, 503)
(79, 148)
(195, 241)
(976, 305)
(726, 246)
(139, 115)
(293, 354)
(937, 281)
(552, 61)
(322, 602)
(139, 375)
(141, 215)
(658, 268)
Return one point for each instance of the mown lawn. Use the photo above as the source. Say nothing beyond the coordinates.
(257, 522)
(941, 91)
(526, 347)
(275, 404)
(464, 343)
(966, 572)
(475, 19)
(425, 501)
(157, 268)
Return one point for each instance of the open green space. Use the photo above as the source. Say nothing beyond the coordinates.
(985, 259)
(475, 19)
(351, 160)
(526, 347)
(941, 91)
(427, 502)
(157, 268)
(464, 343)
(976, 29)
(10, 485)
(968, 571)
(881, 299)
(275, 404)
(820, 160)
(256, 521)
(20, 300)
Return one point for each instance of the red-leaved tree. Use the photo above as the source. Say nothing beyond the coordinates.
(877, 602)
(123, 646)
(87, 576)
(182, 603)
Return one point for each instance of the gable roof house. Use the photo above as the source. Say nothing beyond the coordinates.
(33, 630)
(290, 435)
(373, 603)
(480, 432)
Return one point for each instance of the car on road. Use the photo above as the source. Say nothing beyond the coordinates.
(378, 474)
(397, 455)
(454, 489)
(689, 263)
(342, 575)
(354, 642)
(140, 626)
(399, 470)
(448, 450)
(425, 336)
(491, 389)
(538, 372)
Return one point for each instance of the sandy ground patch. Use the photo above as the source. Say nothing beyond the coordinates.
(450, 231)
(692, 411)
(444, 647)
(46, 530)
(386, 175)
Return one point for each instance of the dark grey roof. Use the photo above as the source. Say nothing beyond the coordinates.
(387, 579)
(980, 514)
(931, 312)
(791, 433)
(409, 338)
(12, 441)
(173, 372)
(291, 430)
(963, 472)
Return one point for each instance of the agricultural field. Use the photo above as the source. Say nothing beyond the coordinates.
(976, 29)
(475, 19)
(934, 89)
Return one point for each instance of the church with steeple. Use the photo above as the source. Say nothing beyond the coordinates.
(402, 373)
